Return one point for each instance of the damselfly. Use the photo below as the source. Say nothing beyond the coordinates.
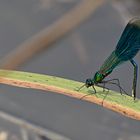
(126, 49)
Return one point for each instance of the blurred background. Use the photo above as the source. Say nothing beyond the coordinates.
(69, 39)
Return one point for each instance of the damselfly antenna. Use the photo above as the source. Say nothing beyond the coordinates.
(81, 87)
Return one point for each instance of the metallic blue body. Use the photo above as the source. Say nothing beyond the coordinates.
(126, 49)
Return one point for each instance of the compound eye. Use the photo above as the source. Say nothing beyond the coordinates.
(89, 82)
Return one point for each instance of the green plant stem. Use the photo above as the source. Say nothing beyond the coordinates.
(123, 104)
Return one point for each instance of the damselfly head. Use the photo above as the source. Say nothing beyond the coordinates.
(89, 83)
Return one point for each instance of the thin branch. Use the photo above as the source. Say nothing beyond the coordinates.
(29, 126)
(50, 34)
